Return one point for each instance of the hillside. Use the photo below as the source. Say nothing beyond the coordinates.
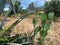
(26, 26)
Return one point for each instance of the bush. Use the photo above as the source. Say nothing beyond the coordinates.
(43, 29)
(53, 6)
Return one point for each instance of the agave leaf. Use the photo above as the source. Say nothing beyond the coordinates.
(3, 20)
(2, 3)
(23, 37)
(13, 44)
(26, 43)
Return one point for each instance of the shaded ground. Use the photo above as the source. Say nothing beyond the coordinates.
(26, 26)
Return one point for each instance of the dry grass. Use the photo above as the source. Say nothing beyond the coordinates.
(26, 26)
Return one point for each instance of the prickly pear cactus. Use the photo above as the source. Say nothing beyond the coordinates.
(2, 3)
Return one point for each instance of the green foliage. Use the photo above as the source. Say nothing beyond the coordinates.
(23, 12)
(31, 6)
(53, 6)
(43, 23)
(16, 39)
(17, 4)
(42, 16)
(51, 15)
(36, 30)
(15, 7)
(45, 26)
(13, 40)
(43, 33)
(34, 22)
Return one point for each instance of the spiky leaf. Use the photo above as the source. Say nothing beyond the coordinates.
(2, 3)
(13, 44)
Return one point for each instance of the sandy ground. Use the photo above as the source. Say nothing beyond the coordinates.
(26, 26)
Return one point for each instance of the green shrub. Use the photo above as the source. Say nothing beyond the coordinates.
(53, 6)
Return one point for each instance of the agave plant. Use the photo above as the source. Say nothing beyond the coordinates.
(12, 7)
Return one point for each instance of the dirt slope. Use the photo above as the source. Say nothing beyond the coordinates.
(26, 26)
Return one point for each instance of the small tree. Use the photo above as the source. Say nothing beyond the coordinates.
(31, 6)
(53, 6)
